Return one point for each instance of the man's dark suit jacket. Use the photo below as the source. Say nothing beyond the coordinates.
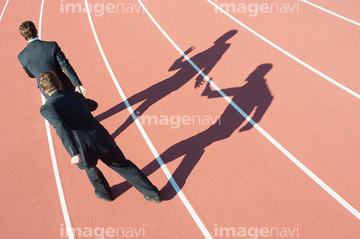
(78, 130)
(40, 56)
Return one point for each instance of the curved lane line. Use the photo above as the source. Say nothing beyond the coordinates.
(2, 13)
(332, 13)
(69, 230)
(336, 196)
(145, 136)
(341, 86)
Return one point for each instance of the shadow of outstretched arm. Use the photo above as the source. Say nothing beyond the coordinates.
(179, 62)
(215, 94)
(259, 113)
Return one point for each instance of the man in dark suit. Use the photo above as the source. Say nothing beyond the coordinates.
(40, 56)
(86, 140)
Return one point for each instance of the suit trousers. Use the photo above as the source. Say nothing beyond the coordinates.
(128, 170)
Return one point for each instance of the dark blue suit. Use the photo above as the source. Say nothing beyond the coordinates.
(41, 56)
(82, 134)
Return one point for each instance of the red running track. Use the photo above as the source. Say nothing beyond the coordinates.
(239, 184)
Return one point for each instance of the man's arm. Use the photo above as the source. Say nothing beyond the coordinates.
(62, 129)
(25, 68)
(179, 62)
(69, 70)
(214, 94)
(259, 113)
(28, 72)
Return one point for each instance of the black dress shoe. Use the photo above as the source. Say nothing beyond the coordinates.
(157, 199)
(98, 196)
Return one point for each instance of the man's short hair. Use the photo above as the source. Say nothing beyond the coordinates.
(49, 82)
(28, 30)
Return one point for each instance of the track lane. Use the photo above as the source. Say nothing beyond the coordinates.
(315, 37)
(332, 13)
(197, 33)
(343, 134)
(154, 219)
(348, 8)
(258, 182)
(4, 8)
(30, 204)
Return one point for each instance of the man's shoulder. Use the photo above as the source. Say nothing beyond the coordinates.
(57, 97)
(66, 95)
(42, 44)
(46, 108)
(21, 54)
(50, 44)
(35, 45)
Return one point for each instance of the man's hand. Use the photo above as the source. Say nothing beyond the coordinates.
(207, 89)
(81, 90)
(248, 126)
(189, 50)
(76, 159)
(199, 81)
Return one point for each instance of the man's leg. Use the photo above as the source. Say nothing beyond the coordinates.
(99, 182)
(128, 170)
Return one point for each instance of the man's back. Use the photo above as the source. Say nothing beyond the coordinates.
(41, 56)
(38, 57)
(78, 130)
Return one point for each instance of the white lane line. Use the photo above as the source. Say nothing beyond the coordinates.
(69, 230)
(332, 13)
(58, 181)
(145, 136)
(287, 53)
(2, 13)
(40, 19)
(262, 131)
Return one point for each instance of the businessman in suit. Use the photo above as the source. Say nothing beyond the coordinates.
(40, 56)
(86, 140)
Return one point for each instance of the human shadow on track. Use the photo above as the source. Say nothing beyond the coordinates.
(254, 96)
(205, 60)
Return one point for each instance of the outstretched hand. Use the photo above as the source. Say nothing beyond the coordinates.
(207, 90)
(81, 90)
(248, 126)
(189, 50)
(199, 83)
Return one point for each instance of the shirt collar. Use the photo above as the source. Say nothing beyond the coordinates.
(53, 92)
(34, 39)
